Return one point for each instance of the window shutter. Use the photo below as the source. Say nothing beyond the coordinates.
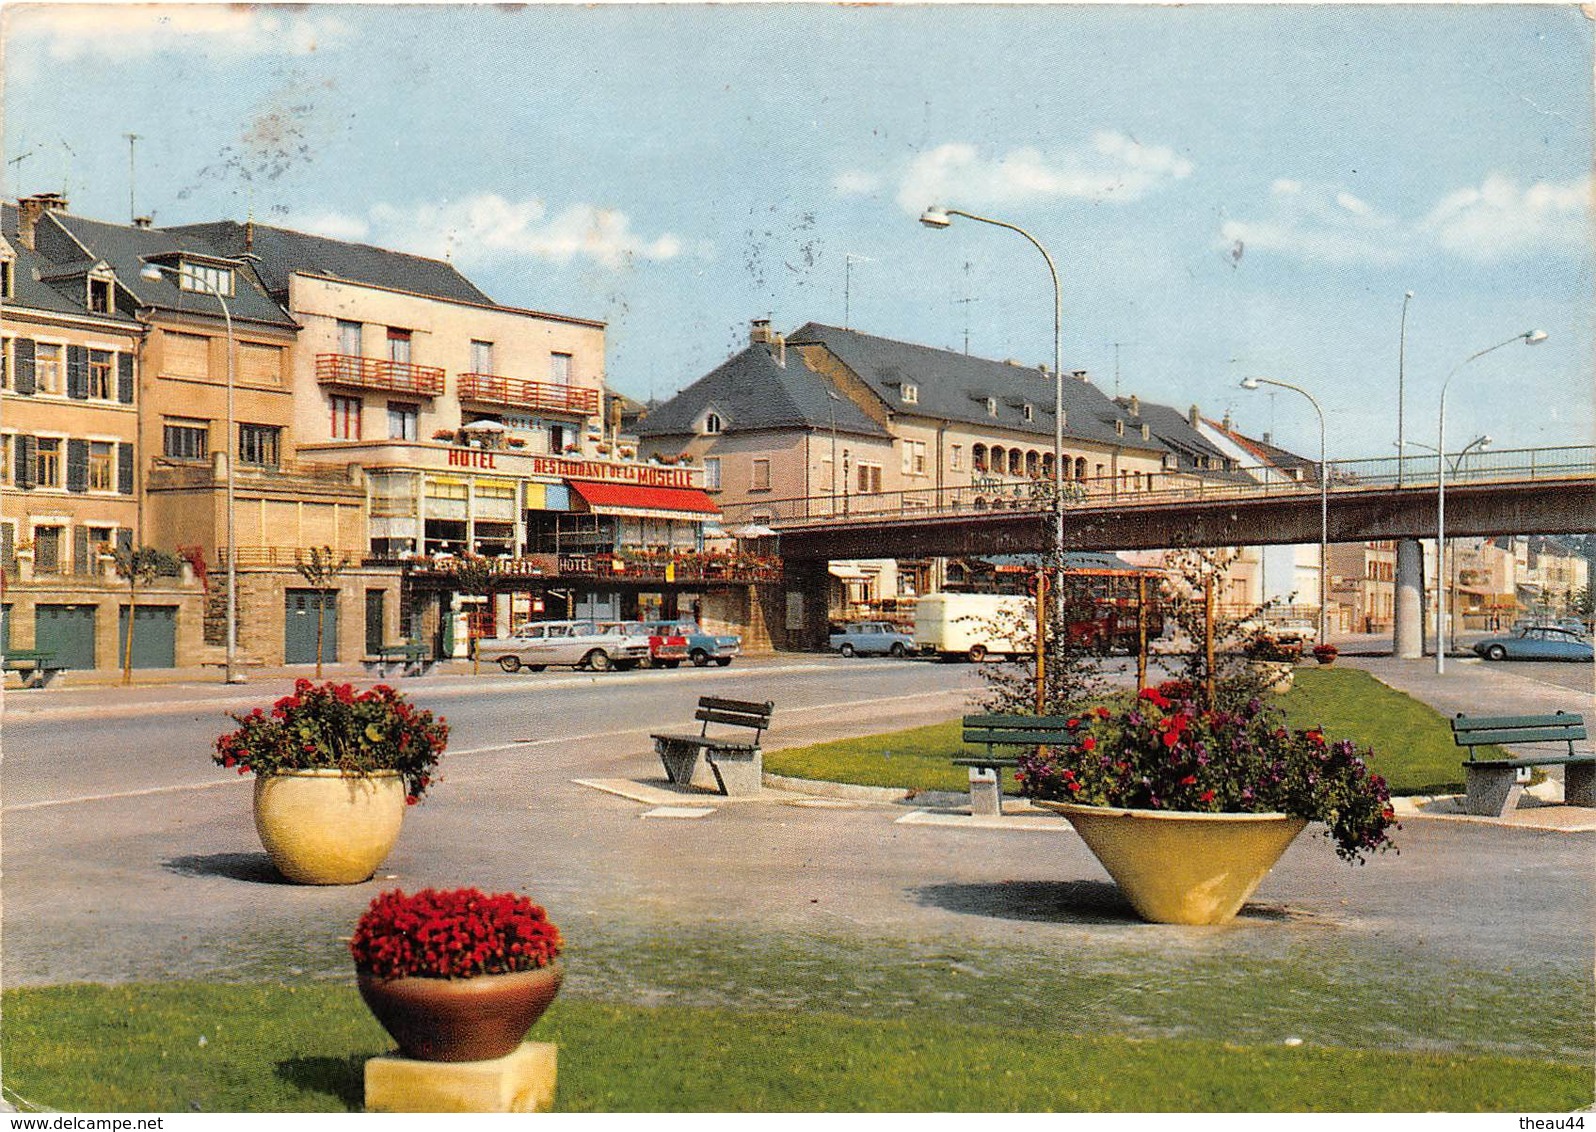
(8, 544)
(77, 376)
(81, 563)
(124, 539)
(27, 460)
(124, 467)
(124, 378)
(77, 465)
(22, 355)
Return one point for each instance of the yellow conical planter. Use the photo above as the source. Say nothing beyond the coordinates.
(326, 827)
(1183, 868)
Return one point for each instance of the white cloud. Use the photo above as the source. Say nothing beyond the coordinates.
(1114, 168)
(126, 31)
(1501, 219)
(488, 227)
(855, 182)
(1498, 220)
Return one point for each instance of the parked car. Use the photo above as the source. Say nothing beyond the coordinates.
(867, 638)
(703, 647)
(579, 644)
(667, 647)
(1536, 642)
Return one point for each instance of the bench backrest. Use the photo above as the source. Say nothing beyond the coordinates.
(735, 713)
(1482, 730)
(1016, 730)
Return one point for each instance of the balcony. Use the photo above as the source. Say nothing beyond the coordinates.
(491, 389)
(374, 373)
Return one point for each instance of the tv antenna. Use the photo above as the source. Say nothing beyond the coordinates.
(848, 260)
(132, 179)
(965, 303)
(66, 174)
(16, 162)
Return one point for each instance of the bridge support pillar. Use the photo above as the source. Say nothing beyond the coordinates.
(1408, 640)
(805, 591)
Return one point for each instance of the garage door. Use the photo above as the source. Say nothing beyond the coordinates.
(154, 636)
(67, 631)
(299, 626)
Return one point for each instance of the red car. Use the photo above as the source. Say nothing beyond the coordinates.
(665, 650)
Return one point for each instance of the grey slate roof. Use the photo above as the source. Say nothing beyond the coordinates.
(956, 387)
(751, 391)
(62, 296)
(1173, 427)
(282, 251)
(124, 249)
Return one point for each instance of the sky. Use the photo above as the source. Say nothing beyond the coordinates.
(1228, 191)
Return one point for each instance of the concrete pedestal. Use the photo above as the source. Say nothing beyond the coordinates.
(740, 774)
(1408, 635)
(986, 793)
(521, 1081)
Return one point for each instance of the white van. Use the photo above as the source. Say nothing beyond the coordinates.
(973, 626)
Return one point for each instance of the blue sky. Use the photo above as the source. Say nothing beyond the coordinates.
(1227, 191)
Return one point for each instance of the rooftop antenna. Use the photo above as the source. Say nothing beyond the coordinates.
(848, 260)
(965, 302)
(132, 180)
(66, 174)
(17, 161)
(1116, 370)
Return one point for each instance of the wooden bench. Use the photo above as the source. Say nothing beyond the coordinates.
(1494, 785)
(986, 790)
(37, 667)
(409, 659)
(736, 762)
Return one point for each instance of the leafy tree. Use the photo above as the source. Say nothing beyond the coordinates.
(140, 566)
(1070, 674)
(474, 575)
(1221, 666)
(320, 567)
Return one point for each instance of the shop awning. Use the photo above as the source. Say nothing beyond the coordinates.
(687, 504)
(846, 572)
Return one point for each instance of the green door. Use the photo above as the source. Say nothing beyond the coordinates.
(154, 636)
(374, 611)
(67, 631)
(299, 626)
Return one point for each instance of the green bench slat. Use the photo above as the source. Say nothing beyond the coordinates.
(1028, 721)
(752, 707)
(1549, 760)
(996, 760)
(1018, 738)
(1520, 735)
(1471, 723)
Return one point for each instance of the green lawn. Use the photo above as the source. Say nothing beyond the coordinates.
(1412, 744)
(182, 1047)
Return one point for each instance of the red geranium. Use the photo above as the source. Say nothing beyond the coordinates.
(454, 934)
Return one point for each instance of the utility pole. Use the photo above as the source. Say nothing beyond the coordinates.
(132, 180)
(848, 260)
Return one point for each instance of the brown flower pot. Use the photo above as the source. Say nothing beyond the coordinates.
(475, 1019)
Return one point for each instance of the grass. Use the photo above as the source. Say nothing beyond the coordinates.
(1412, 743)
(181, 1047)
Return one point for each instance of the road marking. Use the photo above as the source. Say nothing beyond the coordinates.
(678, 812)
(186, 787)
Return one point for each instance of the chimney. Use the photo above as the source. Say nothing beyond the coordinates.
(1227, 424)
(759, 332)
(249, 234)
(1194, 416)
(1080, 375)
(1135, 405)
(780, 342)
(143, 221)
(29, 209)
(1268, 438)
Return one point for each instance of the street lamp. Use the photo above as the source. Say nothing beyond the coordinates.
(1440, 557)
(153, 272)
(940, 218)
(831, 408)
(1402, 349)
(1324, 499)
(1529, 338)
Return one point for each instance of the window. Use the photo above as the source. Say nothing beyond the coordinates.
(205, 279)
(101, 385)
(1028, 411)
(47, 462)
(402, 420)
(100, 296)
(712, 473)
(398, 345)
(1119, 427)
(914, 457)
(259, 364)
(345, 418)
(761, 480)
(712, 424)
(991, 406)
(185, 355)
(560, 369)
(956, 457)
(187, 440)
(8, 278)
(47, 549)
(260, 444)
(47, 367)
(481, 356)
(869, 479)
(102, 465)
(349, 338)
(5, 364)
(911, 393)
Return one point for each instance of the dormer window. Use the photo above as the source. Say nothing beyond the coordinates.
(205, 279)
(1028, 411)
(100, 296)
(8, 278)
(1147, 432)
(712, 424)
(991, 406)
(1119, 427)
(911, 393)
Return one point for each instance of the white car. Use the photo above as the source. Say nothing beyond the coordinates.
(579, 644)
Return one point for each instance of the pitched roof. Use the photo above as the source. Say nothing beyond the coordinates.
(955, 386)
(1190, 446)
(1269, 454)
(281, 252)
(33, 266)
(751, 391)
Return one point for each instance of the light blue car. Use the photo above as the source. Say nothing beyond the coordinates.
(1536, 642)
(873, 638)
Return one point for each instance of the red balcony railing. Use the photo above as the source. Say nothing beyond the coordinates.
(495, 390)
(374, 373)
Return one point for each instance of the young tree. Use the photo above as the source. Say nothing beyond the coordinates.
(1221, 665)
(473, 575)
(1070, 672)
(320, 567)
(140, 566)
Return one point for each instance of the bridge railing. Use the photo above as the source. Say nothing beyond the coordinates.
(997, 494)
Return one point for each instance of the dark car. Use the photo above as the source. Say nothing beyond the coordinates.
(702, 646)
(1536, 642)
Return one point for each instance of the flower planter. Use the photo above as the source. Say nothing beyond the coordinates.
(1178, 867)
(475, 1019)
(326, 827)
(1278, 675)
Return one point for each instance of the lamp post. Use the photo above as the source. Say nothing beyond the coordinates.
(831, 408)
(1529, 338)
(1402, 349)
(939, 218)
(1440, 559)
(153, 272)
(1324, 499)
